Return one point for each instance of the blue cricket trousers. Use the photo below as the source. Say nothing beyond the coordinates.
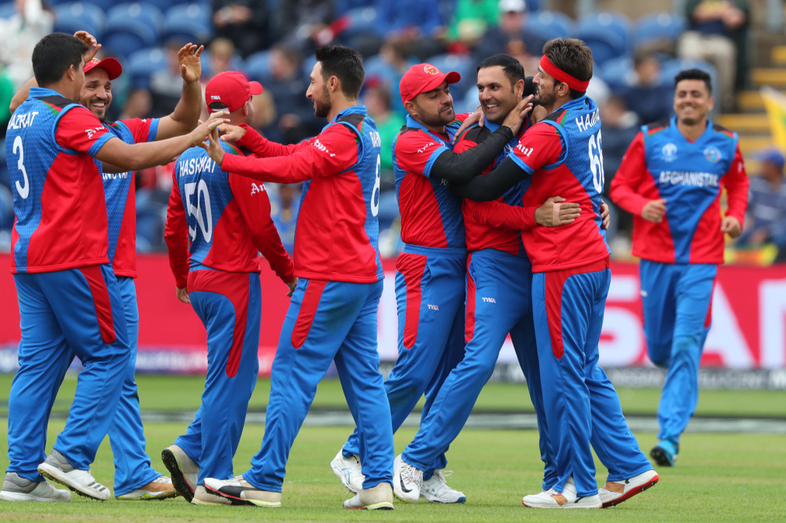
(582, 407)
(327, 321)
(430, 307)
(77, 311)
(677, 305)
(230, 306)
(499, 302)
(126, 434)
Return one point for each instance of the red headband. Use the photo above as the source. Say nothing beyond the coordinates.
(562, 76)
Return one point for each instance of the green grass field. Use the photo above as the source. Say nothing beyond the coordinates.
(720, 477)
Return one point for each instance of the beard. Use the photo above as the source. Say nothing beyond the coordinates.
(322, 106)
(443, 117)
(546, 98)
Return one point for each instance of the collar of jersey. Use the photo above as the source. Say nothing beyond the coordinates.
(43, 91)
(361, 109)
(707, 130)
(411, 122)
(573, 104)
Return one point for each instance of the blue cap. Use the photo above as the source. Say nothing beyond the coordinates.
(771, 156)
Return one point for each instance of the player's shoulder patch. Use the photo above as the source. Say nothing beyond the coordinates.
(654, 127)
(474, 133)
(722, 130)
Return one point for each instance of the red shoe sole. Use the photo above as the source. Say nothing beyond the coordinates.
(633, 492)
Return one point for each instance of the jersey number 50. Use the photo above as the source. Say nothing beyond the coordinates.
(205, 225)
(596, 162)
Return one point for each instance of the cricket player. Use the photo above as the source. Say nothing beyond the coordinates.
(671, 179)
(217, 224)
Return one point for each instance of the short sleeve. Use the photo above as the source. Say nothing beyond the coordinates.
(143, 130)
(540, 146)
(80, 130)
(416, 152)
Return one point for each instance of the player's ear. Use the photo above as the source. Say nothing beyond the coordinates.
(409, 105)
(710, 103)
(71, 72)
(518, 88)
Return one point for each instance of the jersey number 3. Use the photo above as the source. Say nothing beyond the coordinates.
(205, 224)
(596, 162)
(24, 191)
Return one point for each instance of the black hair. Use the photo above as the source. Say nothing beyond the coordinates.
(218, 106)
(510, 66)
(54, 54)
(345, 64)
(694, 74)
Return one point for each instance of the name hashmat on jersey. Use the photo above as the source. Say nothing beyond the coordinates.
(197, 165)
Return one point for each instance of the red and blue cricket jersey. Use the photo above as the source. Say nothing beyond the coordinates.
(227, 218)
(337, 234)
(574, 174)
(430, 214)
(662, 163)
(120, 196)
(481, 230)
(59, 202)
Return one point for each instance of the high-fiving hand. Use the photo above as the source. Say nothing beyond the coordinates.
(190, 64)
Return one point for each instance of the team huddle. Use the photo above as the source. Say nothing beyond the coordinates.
(504, 230)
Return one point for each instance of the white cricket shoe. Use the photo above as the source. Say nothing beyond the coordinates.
(615, 492)
(349, 471)
(184, 471)
(436, 490)
(241, 492)
(57, 468)
(565, 499)
(17, 488)
(406, 481)
(379, 497)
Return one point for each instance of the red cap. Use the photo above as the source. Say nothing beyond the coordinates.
(110, 65)
(422, 78)
(231, 89)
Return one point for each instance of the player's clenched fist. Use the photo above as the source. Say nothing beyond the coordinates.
(654, 210)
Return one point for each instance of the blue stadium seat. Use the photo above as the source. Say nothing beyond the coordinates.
(7, 10)
(362, 19)
(188, 23)
(258, 66)
(344, 6)
(615, 71)
(143, 64)
(77, 16)
(544, 26)
(659, 26)
(606, 33)
(308, 64)
(105, 5)
(130, 27)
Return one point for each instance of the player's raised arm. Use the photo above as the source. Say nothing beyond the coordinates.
(333, 151)
(185, 117)
(143, 155)
(246, 136)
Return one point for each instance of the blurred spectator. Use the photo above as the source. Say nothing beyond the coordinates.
(244, 22)
(166, 86)
(32, 21)
(304, 23)
(389, 66)
(416, 21)
(646, 95)
(471, 16)
(376, 98)
(719, 34)
(507, 36)
(618, 127)
(222, 51)
(766, 221)
(7, 92)
(138, 105)
(296, 119)
(284, 211)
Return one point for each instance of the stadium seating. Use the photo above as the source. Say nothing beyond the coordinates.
(188, 23)
(141, 65)
(606, 34)
(258, 66)
(361, 20)
(659, 26)
(544, 26)
(131, 27)
(79, 16)
(463, 65)
(614, 72)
